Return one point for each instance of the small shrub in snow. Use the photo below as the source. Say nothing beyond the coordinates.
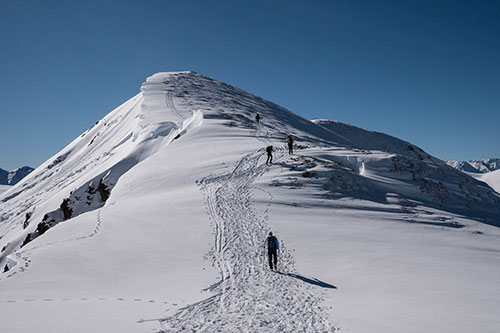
(103, 190)
(307, 174)
(67, 211)
(26, 221)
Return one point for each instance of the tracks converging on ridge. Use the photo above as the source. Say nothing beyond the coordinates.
(249, 297)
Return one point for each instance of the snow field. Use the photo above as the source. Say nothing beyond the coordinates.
(4, 188)
(492, 179)
(249, 298)
(391, 274)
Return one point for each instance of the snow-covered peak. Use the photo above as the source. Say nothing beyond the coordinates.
(476, 166)
(14, 176)
(161, 76)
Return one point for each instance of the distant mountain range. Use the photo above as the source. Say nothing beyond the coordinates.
(476, 166)
(14, 176)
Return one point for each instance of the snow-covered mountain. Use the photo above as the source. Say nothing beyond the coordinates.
(155, 219)
(476, 166)
(13, 177)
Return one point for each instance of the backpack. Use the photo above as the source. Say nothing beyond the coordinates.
(271, 242)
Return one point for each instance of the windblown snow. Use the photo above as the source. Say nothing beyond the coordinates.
(154, 219)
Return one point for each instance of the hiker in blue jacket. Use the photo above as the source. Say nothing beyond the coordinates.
(272, 250)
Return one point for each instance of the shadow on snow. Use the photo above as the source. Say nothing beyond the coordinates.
(313, 281)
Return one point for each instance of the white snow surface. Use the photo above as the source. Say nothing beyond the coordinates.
(369, 140)
(492, 179)
(167, 202)
(4, 188)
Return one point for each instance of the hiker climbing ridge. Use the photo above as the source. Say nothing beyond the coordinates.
(273, 246)
(248, 297)
(289, 141)
(269, 150)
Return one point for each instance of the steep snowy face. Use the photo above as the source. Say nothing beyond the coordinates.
(81, 166)
(80, 178)
(14, 176)
(476, 166)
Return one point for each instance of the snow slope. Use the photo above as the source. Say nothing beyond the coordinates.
(154, 220)
(4, 188)
(371, 140)
(492, 179)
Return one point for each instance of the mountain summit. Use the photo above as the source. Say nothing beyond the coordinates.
(158, 213)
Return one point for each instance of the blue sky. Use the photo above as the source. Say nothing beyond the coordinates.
(425, 71)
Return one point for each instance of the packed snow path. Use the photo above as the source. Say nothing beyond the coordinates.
(249, 297)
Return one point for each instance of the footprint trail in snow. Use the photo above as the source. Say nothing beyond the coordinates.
(249, 297)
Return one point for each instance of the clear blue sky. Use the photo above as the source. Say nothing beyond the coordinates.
(425, 71)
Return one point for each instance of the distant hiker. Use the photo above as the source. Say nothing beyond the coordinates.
(272, 248)
(257, 118)
(269, 150)
(289, 140)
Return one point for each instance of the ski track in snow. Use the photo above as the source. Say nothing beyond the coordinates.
(170, 104)
(24, 261)
(249, 297)
(102, 299)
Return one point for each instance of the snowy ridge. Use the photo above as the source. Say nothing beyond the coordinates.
(476, 166)
(436, 183)
(133, 134)
(371, 140)
(168, 199)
